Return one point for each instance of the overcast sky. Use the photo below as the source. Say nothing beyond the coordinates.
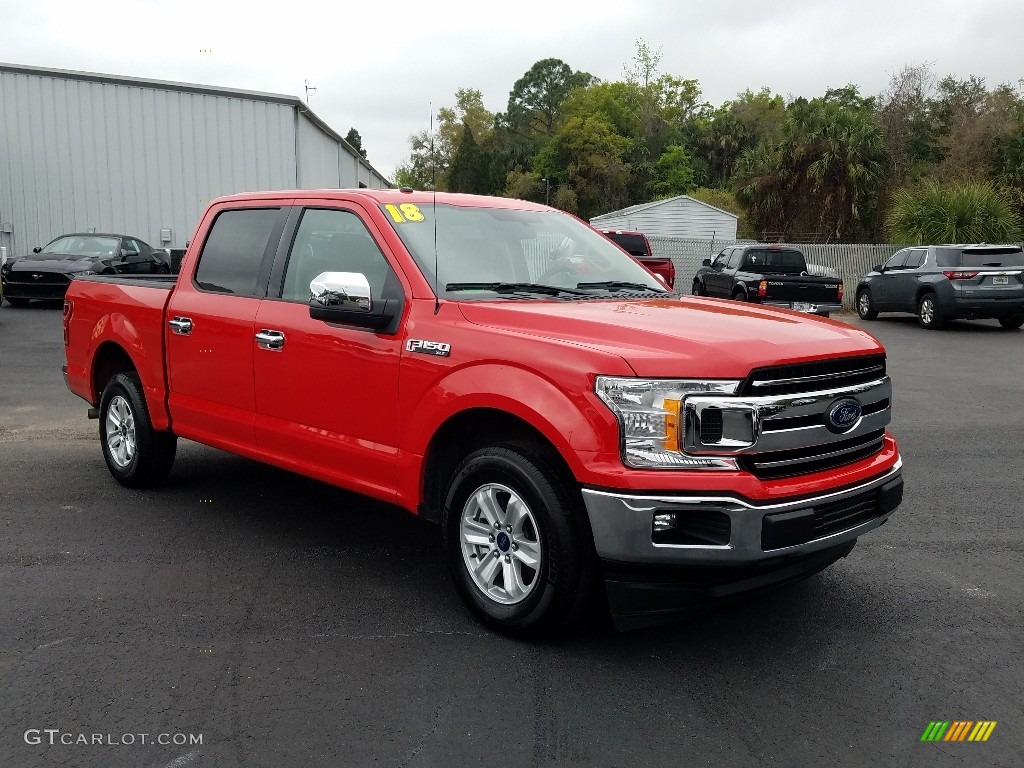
(378, 65)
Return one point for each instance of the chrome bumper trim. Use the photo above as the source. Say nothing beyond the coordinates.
(622, 525)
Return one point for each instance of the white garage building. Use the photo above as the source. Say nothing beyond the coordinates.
(680, 216)
(86, 152)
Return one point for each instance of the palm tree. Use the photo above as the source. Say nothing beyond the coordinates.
(971, 212)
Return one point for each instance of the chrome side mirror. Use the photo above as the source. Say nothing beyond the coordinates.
(349, 290)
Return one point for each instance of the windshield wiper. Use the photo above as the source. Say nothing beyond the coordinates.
(549, 290)
(620, 285)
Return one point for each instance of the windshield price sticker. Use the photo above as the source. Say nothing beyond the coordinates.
(404, 212)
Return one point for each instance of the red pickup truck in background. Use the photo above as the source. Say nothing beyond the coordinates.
(502, 369)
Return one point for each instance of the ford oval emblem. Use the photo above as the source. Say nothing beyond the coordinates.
(843, 415)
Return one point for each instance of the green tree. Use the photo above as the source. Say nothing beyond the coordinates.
(973, 212)
(674, 172)
(535, 102)
(471, 167)
(353, 138)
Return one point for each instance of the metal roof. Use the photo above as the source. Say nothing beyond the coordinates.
(212, 90)
(644, 206)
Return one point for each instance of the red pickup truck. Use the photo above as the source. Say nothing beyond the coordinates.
(500, 368)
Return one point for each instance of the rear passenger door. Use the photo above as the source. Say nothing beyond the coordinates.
(326, 393)
(906, 281)
(211, 317)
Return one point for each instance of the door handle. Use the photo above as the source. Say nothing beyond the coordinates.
(272, 340)
(180, 325)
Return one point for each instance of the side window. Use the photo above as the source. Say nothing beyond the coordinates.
(899, 260)
(916, 258)
(735, 258)
(130, 245)
(233, 251)
(336, 241)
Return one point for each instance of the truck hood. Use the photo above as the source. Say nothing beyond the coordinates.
(679, 337)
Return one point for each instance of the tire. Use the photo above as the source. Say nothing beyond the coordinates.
(136, 454)
(548, 555)
(928, 314)
(18, 303)
(739, 295)
(865, 306)
(698, 289)
(1012, 323)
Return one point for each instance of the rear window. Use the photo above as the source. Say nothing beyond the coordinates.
(1010, 256)
(233, 252)
(764, 260)
(633, 244)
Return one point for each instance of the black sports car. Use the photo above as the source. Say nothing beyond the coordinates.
(46, 273)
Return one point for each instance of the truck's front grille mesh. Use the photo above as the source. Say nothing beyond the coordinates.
(813, 377)
(815, 458)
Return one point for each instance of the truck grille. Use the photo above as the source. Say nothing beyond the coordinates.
(813, 377)
(815, 458)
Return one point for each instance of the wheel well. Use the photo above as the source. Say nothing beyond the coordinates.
(464, 433)
(110, 360)
(921, 292)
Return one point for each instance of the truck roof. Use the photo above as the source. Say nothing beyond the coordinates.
(397, 196)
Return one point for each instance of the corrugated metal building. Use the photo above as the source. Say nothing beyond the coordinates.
(679, 216)
(81, 151)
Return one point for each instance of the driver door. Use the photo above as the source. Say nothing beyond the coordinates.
(888, 280)
(326, 393)
(713, 280)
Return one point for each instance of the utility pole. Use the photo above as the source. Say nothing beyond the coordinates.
(547, 191)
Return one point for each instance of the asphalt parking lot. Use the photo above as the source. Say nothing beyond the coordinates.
(288, 623)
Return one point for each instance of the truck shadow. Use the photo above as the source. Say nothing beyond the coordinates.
(338, 541)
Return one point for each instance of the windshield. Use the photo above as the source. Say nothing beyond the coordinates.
(83, 245)
(480, 249)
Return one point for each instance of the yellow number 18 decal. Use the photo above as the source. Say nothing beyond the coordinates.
(404, 212)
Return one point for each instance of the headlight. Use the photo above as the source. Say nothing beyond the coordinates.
(651, 420)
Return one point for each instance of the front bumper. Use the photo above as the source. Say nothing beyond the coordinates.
(623, 524)
(746, 546)
(35, 285)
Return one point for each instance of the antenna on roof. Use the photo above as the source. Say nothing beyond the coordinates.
(310, 91)
(433, 188)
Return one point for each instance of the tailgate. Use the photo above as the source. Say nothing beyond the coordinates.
(813, 290)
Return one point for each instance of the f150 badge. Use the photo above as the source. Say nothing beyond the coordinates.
(439, 348)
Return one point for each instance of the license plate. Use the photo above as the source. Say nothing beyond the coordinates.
(802, 306)
(1000, 280)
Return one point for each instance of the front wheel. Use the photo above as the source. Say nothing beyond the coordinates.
(928, 313)
(136, 454)
(517, 541)
(865, 307)
(1012, 323)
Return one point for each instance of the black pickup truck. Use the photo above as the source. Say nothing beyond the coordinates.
(775, 275)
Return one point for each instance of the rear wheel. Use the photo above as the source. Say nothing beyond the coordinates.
(865, 307)
(698, 289)
(136, 454)
(517, 541)
(739, 295)
(1012, 323)
(928, 313)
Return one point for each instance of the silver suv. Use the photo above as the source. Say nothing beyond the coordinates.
(943, 282)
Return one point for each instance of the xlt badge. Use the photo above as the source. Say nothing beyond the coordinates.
(439, 348)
